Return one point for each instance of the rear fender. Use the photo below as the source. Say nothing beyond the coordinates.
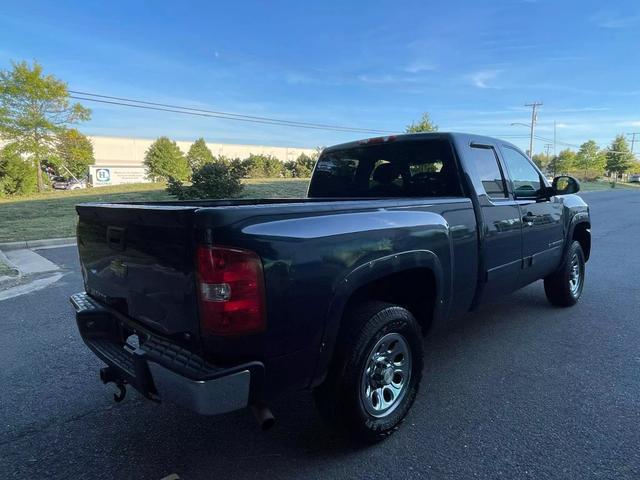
(370, 272)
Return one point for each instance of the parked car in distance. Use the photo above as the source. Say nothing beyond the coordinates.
(217, 305)
(61, 183)
(634, 178)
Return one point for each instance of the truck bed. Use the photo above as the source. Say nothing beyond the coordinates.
(138, 258)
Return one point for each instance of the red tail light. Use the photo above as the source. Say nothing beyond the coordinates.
(231, 291)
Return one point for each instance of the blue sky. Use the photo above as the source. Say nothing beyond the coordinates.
(472, 65)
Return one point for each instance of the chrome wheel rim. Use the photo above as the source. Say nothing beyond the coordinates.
(575, 277)
(386, 375)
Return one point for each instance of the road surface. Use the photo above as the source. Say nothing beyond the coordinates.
(519, 389)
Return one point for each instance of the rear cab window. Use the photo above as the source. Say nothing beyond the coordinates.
(418, 168)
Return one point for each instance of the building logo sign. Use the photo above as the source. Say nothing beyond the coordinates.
(103, 175)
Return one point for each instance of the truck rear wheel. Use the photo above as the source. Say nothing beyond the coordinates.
(376, 372)
(564, 286)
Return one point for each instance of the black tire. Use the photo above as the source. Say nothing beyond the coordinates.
(560, 287)
(341, 398)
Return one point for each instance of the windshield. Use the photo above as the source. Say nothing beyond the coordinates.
(422, 168)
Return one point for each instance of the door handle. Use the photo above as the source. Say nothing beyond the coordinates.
(529, 218)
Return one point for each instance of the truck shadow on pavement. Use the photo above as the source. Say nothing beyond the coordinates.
(137, 439)
(476, 361)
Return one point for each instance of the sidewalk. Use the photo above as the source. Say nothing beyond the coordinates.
(31, 272)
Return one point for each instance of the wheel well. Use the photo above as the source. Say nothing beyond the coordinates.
(413, 289)
(582, 234)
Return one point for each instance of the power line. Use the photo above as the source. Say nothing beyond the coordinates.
(128, 102)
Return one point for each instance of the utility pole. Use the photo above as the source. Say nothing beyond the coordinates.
(633, 138)
(547, 147)
(534, 106)
(554, 138)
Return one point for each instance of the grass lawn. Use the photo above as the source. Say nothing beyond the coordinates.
(5, 270)
(52, 214)
(594, 186)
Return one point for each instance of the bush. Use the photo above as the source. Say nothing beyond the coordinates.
(262, 166)
(212, 180)
(289, 169)
(17, 175)
(165, 160)
(304, 165)
(238, 168)
(301, 167)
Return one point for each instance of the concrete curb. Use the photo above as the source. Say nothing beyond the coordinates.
(4, 279)
(50, 242)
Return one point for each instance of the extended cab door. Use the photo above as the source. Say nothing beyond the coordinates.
(500, 228)
(542, 225)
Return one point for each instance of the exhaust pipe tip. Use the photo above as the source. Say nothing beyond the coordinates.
(264, 416)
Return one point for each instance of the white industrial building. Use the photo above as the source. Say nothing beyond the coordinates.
(120, 160)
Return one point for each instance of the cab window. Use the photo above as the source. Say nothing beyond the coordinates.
(525, 178)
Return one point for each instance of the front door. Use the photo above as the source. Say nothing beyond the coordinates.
(501, 235)
(542, 225)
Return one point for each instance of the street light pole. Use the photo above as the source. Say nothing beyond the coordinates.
(534, 106)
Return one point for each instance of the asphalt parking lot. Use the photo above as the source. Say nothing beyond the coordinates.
(519, 389)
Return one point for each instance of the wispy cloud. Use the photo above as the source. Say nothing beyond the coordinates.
(387, 78)
(419, 67)
(607, 19)
(482, 78)
(629, 123)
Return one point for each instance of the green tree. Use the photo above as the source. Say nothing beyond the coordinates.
(74, 154)
(302, 166)
(423, 125)
(262, 166)
(212, 180)
(589, 160)
(199, 154)
(165, 160)
(34, 110)
(541, 160)
(619, 158)
(17, 174)
(563, 162)
(223, 160)
(289, 168)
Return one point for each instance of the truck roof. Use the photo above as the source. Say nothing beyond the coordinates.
(458, 136)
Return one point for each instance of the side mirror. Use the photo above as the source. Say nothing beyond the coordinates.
(565, 184)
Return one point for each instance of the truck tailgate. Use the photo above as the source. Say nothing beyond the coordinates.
(140, 261)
